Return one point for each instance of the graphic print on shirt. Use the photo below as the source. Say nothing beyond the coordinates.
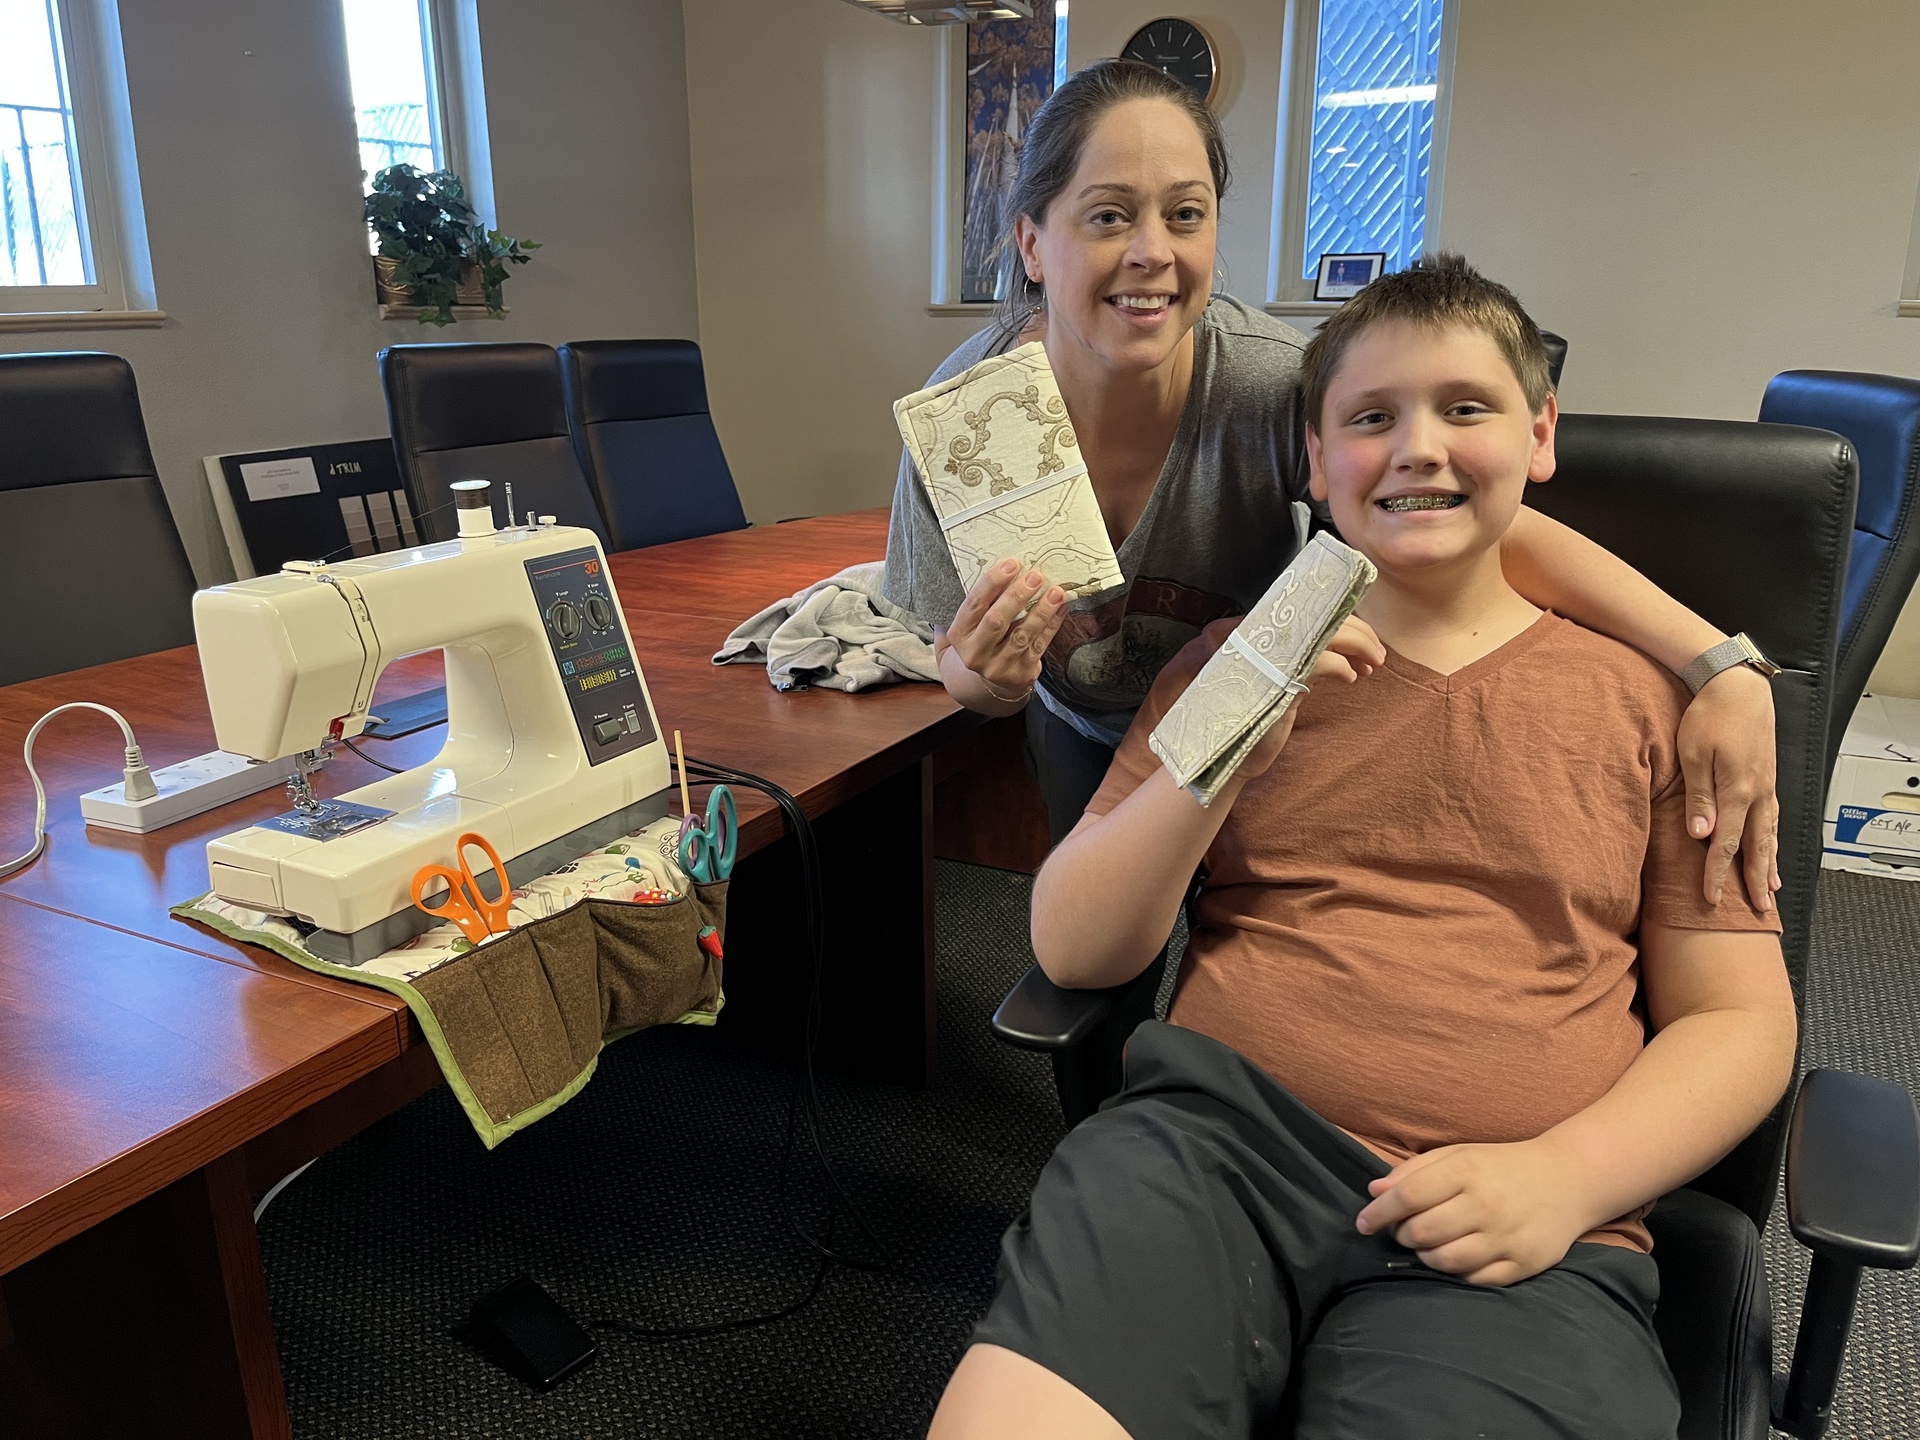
(1106, 658)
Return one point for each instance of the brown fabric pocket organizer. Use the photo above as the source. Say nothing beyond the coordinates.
(518, 1023)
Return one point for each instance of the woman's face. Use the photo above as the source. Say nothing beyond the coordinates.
(1126, 250)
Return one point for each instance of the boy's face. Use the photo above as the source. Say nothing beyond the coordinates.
(1424, 446)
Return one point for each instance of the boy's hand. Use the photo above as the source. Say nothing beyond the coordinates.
(1354, 653)
(1494, 1214)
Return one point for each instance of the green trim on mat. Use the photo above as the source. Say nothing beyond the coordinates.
(491, 1131)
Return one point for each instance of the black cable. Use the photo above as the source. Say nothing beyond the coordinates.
(805, 1098)
(381, 764)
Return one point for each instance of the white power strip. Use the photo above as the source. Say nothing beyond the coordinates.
(186, 789)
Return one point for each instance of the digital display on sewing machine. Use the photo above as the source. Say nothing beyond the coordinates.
(590, 647)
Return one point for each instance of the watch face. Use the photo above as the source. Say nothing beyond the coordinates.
(1178, 48)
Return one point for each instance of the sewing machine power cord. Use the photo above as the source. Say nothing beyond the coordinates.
(803, 1105)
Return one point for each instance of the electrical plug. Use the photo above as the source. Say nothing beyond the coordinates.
(139, 784)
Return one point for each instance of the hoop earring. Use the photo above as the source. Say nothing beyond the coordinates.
(1219, 274)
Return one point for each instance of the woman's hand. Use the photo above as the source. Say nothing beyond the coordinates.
(1004, 626)
(1354, 653)
(1726, 751)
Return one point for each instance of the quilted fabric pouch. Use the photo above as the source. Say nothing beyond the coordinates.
(997, 455)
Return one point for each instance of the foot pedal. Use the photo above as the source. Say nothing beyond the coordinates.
(524, 1330)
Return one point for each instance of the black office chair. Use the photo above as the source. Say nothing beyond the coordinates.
(484, 412)
(1556, 355)
(91, 566)
(644, 437)
(1880, 414)
(1748, 524)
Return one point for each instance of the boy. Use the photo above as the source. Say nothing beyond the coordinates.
(1384, 1172)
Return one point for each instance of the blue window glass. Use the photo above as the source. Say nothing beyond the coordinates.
(388, 58)
(1375, 79)
(41, 237)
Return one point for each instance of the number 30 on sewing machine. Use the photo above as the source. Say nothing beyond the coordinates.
(552, 744)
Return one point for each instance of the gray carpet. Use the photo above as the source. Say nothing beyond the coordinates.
(652, 1196)
(1862, 1014)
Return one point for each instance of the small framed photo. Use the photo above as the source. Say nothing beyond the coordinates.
(1342, 277)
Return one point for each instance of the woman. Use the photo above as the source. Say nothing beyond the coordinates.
(1184, 403)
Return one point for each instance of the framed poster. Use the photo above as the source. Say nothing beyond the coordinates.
(1010, 67)
(1341, 277)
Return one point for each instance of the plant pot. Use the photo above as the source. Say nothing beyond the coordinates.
(469, 290)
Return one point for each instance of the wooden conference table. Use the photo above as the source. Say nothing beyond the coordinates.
(155, 1079)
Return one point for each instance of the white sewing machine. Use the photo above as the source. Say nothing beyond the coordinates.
(552, 743)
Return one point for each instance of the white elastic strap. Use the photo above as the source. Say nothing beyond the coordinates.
(1239, 646)
(1034, 487)
(40, 791)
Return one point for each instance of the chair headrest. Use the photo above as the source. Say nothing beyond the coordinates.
(70, 415)
(1880, 414)
(634, 379)
(1776, 500)
(453, 397)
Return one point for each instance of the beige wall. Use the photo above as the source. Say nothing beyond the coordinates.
(811, 129)
(812, 132)
(244, 128)
(1698, 195)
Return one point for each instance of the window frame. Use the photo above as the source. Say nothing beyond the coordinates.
(111, 219)
(1287, 292)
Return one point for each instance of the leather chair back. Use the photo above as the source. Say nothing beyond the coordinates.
(1778, 501)
(1556, 355)
(1880, 414)
(484, 412)
(644, 437)
(91, 566)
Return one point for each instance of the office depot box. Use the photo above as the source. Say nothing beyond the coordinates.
(1873, 805)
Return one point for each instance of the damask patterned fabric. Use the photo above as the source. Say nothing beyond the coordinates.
(998, 458)
(1254, 678)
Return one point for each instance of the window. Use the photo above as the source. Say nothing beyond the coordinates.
(1363, 128)
(415, 72)
(994, 76)
(395, 102)
(68, 186)
(42, 221)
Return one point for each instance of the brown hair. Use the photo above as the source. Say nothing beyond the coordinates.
(1055, 140)
(1435, 291)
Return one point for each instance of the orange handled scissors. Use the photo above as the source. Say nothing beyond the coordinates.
(466, 904)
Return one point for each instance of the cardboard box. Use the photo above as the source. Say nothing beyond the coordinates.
(1872, 824)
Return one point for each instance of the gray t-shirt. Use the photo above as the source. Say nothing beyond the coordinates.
(1219, 526)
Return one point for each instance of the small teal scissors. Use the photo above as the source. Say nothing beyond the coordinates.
(709, 847)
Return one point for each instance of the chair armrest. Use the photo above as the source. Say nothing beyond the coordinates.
(1038, 1015)
(1853, 1198)
(1853, 1170)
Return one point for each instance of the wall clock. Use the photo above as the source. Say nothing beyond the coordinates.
(1181, 49)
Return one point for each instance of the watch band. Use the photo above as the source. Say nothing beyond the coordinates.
(1740, 650)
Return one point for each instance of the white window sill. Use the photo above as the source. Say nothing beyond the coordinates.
(460, 312)
(970, 307)
(1910, 309)
(82, 320)
(1322, 308)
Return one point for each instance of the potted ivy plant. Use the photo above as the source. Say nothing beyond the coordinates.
(433, 250)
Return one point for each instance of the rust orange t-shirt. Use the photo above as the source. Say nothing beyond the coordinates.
(1421, 920)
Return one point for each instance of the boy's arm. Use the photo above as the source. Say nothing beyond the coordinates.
(1726, 735)
(1105, 901)
(1722, 1057)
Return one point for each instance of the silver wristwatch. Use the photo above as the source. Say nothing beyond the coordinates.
(1724, 656)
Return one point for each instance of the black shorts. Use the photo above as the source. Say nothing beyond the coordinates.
(1189, 1262)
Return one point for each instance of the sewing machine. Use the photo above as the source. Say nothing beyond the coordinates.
(552, 743)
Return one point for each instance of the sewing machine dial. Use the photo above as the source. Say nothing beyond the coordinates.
(592, 652)
(565, 620)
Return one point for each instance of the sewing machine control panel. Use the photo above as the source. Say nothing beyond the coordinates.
(591, 649)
